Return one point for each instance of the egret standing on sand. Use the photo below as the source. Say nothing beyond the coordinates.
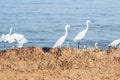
(96, 45)
(114, 43)
(62, 39)
(81, 34)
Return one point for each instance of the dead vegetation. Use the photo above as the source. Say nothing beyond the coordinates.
(35, 63)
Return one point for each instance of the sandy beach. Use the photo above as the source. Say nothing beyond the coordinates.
(35, 63)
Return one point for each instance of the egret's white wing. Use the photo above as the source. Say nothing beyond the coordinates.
(114, 43)
(80, 35)
(59, 42)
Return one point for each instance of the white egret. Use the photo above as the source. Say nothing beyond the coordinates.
(114, 43)
(13, 37)
(6, 37)
(84, 46)
(81, 34)
(60, 41)
(96, 45)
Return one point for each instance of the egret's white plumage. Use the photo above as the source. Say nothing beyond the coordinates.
(2, 38)
(6, 37)
(114, 43)
(14, 37)
(84, 46)
(60, 41)
(96, 45)
(82, 33)
(21, 42)
(17, 36)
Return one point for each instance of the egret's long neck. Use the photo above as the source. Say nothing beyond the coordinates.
(10, 31)
(87, 25)
(66, 31)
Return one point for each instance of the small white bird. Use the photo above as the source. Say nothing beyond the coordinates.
(6, 38)
(13, 37)
(60, 41)
(114, 43)
(84, 46)
(81, 34)
(96, 45)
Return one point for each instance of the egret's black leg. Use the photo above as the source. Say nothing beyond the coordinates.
(78, 45)
(59, 52)
(109, 47)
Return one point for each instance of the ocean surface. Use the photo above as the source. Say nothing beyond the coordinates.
(42, 21)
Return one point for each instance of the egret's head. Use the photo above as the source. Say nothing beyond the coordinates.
(67, 26)
(11, 29)
(88, 21)
(96, 43)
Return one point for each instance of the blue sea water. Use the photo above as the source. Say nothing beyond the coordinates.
(42, 21)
